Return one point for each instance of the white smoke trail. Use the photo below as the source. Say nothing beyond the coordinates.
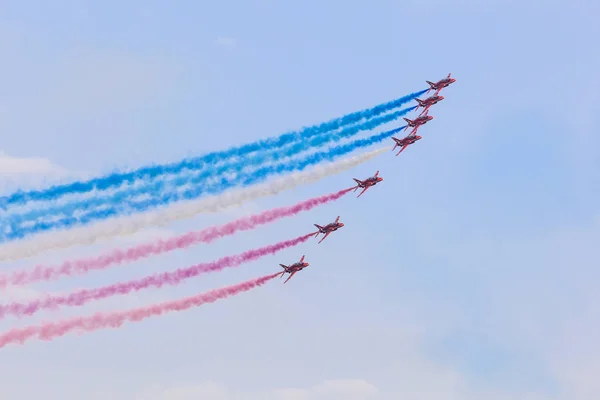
(132, 224)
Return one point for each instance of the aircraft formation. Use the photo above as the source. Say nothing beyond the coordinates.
(125, 202)
(408, 140)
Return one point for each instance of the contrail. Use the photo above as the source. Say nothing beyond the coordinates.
(241, 180)
(149, 172)
(50, 330)
(81, 266)
(130, 225)
(83, 212)
(83, 296)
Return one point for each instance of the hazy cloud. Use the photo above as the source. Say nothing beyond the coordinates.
(225, 41)
(27, 171)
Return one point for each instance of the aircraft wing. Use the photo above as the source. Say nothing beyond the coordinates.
(364, 190)
(323, 238)
(402, 149)
(285, 269)
(290, 277)
(424, 111)
(358, 181)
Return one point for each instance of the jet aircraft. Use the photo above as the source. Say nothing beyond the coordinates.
(367, 183)
(428, 102)
(439, 85)
(417, 122)
(405, 142)
(327, 229)
(292, 269)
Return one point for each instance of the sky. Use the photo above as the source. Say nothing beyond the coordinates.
(469, 273)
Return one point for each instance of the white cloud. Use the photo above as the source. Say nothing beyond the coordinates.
(22, 172)
(426, 386)
(103, 80)
(225, 41)
(206, 390)
(92, 86)
(11, 166)
(341, 389)
(347, 389)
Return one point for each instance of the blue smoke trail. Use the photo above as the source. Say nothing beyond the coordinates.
(123, 198)
(118, 178)
(241, 180)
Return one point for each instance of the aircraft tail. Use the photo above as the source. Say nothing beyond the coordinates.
(431, 84)
(395, 143)
(320, 229)
(420, 103)
(285, 269)
(407, 120)
(358, 182)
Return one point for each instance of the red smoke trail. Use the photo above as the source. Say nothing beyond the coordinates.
(75, 267)
(83, 296)
(51, 330)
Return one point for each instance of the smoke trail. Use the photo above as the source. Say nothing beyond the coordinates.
(51, 330)
(242, 180)
(130, 225)
(149, 172)
(70, 268)
(81, 297)
(116, 204)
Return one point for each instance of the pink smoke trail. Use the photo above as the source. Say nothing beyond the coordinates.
(75, 267)
(83, 296)
(51, 330)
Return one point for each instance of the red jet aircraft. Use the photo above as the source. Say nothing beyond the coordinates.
(292, 269)
(327, 229)
(439, 85)
(405, 142)
(417, 122)
(367, 183)
(428, 102)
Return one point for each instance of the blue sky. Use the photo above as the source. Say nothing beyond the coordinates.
(469, 273)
